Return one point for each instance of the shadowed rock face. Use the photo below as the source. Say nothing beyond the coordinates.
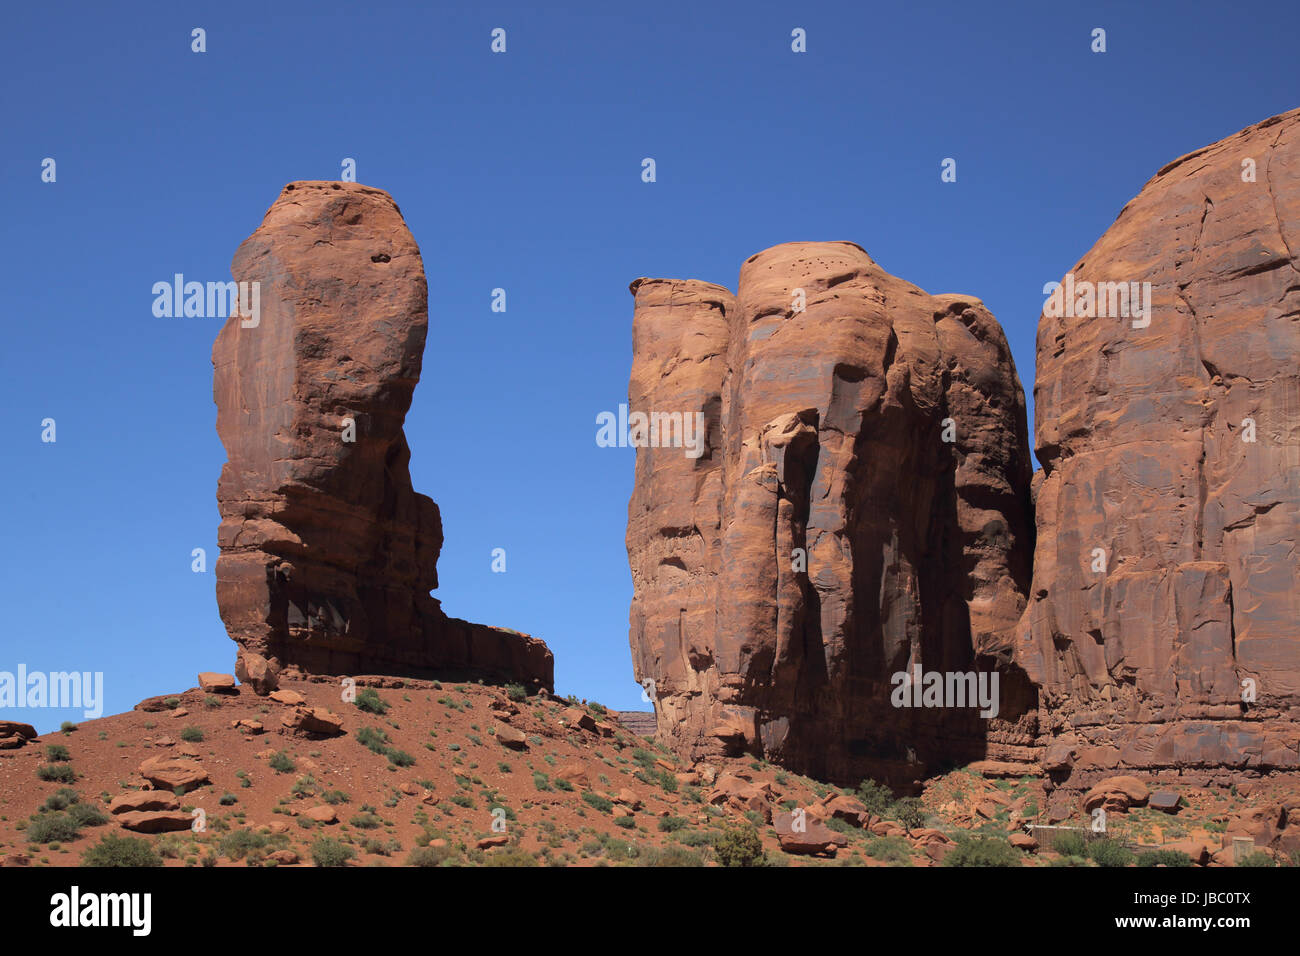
(861, 506)
(327, 553)
(1144, 435)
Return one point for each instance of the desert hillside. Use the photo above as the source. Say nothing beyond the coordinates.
(418, 772)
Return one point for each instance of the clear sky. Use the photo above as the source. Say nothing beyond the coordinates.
(522, 171)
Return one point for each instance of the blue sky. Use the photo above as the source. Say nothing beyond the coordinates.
(518, 170)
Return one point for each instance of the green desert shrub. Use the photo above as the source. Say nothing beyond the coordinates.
(739, 846)
(674, 855)
(982, 851)
(429, 856)
(891, 849)
(512, 856)
(281, 762)
(330, 852)
(1163, 858)
(85, 815)
(876, 797)
(398, 758)
(56, 772)
(52, 828)
(603, 804)
(115, 850)
(1107, 852)
(1070, 843)
(238, 844)
(909, 812)
(366, 820)
(368, 699)
(372, 738)
(61, 799)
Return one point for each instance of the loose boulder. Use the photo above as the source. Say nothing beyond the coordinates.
(171, 773)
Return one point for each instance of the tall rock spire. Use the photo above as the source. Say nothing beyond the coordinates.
(327, 553)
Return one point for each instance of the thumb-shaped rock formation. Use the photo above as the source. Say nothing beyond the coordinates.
(858, 508)
(327, 553)
(1162, 629)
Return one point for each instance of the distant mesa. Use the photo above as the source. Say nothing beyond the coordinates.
(327, 553)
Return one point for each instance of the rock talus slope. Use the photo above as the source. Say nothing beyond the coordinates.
(1168, 508)
(327, 553)
(861, 507)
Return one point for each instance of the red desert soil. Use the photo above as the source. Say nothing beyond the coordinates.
(570, 784)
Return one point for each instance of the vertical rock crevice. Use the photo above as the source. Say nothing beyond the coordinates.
(852, 534)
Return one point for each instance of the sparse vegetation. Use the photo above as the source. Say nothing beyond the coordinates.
(330, 852)
(281, 762)
(86, 815)
(238, 844)
(909, 812)
(429, 856)
(603, 804)
(1106, 852)
(893, 849)
(982, 851)
(674, 855)
(52, 828)
(1163, 858)
(368, 699)
(61, 799)
(115, 850)
(1069, 843)
(740, 846)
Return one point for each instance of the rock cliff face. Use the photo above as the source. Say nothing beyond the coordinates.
(327, 553)
(1165, 574)
(860, 507)
(1159, 633)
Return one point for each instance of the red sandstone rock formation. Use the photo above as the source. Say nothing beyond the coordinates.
(1172, 451)
(879, 432)
(327, 554)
